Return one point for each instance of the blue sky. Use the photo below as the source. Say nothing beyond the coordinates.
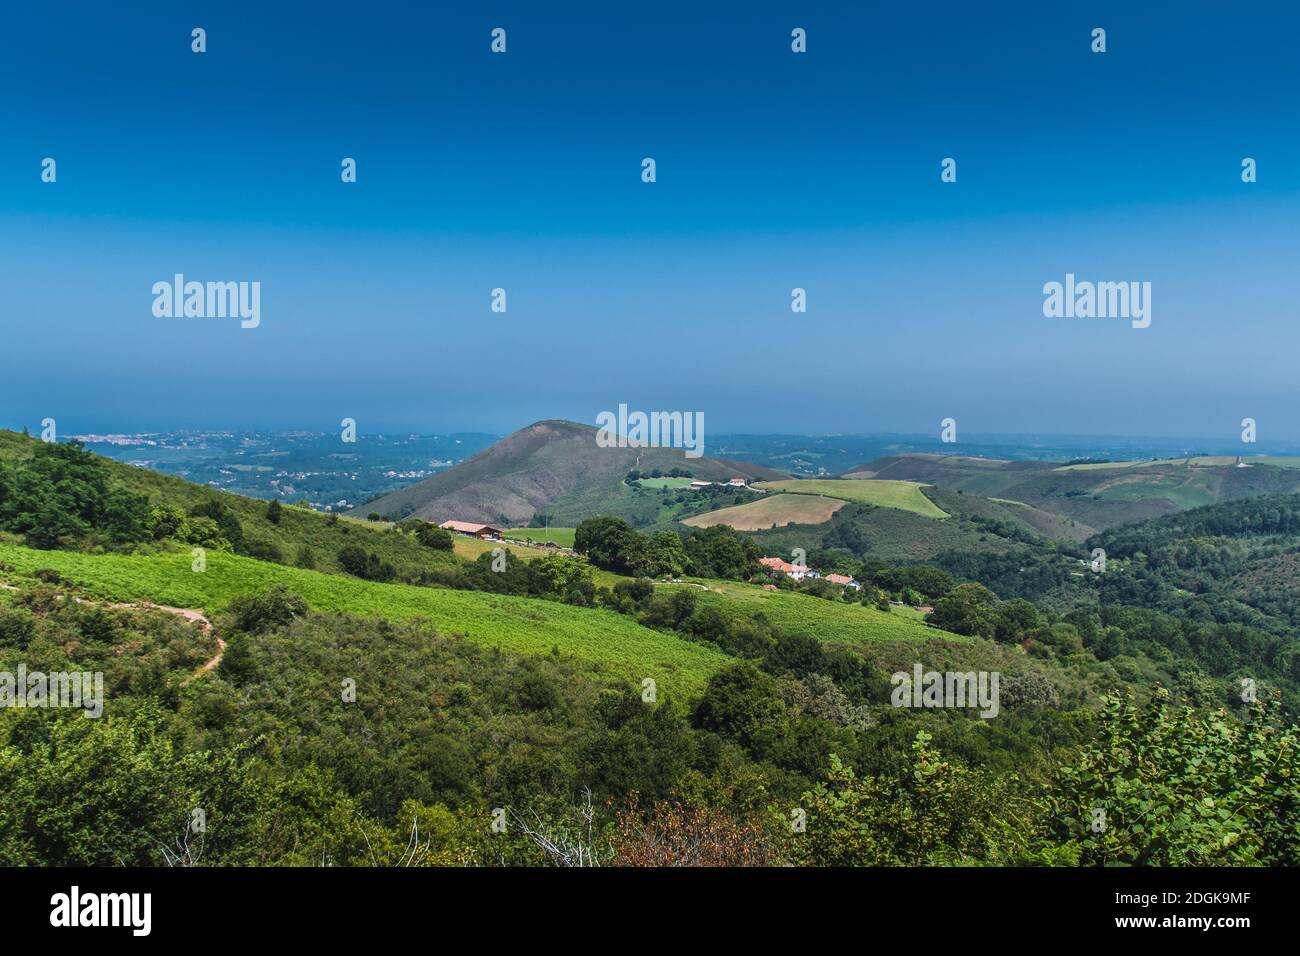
(775, 170)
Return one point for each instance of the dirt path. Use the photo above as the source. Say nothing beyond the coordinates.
(194, 617)
(191, 615)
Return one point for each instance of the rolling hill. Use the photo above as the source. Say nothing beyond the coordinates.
(553, 468)
(1095, 496)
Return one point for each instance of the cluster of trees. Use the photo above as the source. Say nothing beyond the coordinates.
(62, 491)
(716, 552)
(556, 577)
(636, 474)
(428, 534)
(356, 560)
(62, 494)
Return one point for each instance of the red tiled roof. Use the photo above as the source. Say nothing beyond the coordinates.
(466, 527)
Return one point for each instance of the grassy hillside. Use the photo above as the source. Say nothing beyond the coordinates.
(298, 528)
(773, 511)
(836, 622)
(553, 468)
(611, 643)
(904, 495)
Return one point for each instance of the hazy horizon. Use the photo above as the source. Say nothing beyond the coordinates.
(775, 171)
(1212, 445)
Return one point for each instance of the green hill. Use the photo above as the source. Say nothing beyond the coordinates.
(1095, 496)
(612, 643)
(298, 528)
(553, 468)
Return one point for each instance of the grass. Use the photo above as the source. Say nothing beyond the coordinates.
(610, 643)
(471, 548)
(903, 495)
(665, 482)
(776, 510)
(561, 536)
(836, 622)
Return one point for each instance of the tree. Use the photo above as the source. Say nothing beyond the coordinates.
(431, 536)
(930, 811)
(273, 511)
(719, 552)
(126, 515)
(257, 613)
(1168, 786)
(664, 555)
(1014, 619)
(356, 560)
(967, 609)
(167, 521)
(610, 543)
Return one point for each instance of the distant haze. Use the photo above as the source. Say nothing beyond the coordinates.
(774, 171)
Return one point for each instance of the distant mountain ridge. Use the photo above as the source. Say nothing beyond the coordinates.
(551, 467)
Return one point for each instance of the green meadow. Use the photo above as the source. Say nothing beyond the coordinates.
(611, 643)
(561, 536)
(837, 622)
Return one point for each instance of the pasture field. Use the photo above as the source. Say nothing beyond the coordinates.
(884, 493)
(777, 510)
(836, 622)
(470, 548)
(561, 536)
(665, 482)
(610, 643)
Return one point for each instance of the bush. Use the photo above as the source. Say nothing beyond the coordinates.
(257, 613)
(357, 561)
(16, 629)
(263, 550)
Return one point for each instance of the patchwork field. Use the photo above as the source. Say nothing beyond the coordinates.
(777, 510)
(610, 643)
(903, 495)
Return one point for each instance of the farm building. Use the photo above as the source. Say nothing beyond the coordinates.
(732, 483)
(796, 571)
(845, 580)
(485, 531)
